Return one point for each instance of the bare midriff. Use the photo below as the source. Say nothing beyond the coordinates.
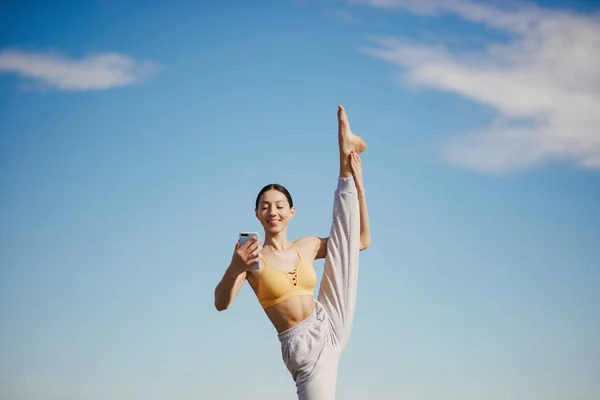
(288, 313)
(291, 312)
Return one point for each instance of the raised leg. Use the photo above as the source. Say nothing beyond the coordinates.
(339, 284)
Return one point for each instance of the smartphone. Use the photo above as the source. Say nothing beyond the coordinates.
(244, 237)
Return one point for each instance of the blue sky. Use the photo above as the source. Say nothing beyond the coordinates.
(134, 137)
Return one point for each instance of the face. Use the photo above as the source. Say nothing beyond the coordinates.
(274, 211)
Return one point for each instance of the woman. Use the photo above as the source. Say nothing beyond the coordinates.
(313, 333)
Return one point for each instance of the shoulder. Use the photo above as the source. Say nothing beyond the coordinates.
(313, 246)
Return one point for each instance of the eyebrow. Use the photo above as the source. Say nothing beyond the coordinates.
(266, 202)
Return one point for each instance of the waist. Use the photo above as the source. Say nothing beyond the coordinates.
(291, 312)
(313, 324)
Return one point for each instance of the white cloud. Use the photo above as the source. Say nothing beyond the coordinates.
(95, 72)
(546, 75)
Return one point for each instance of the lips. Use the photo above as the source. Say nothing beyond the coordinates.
(273, 222)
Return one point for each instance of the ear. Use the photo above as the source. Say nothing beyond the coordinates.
(292, 212)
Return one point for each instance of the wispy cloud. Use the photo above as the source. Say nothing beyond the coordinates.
(345, 15)
(94, 72)
(544, 82)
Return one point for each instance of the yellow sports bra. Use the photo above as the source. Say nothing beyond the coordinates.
(276, 285)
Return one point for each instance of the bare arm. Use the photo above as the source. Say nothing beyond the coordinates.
(229, 286)
(365, 231)
(235, 275)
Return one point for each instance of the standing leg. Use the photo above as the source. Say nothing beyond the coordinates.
(309, 357)
(323, 384)
(339, 284)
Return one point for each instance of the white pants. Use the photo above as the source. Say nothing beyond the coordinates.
(312, 348)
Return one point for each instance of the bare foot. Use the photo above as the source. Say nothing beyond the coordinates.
(348, 141)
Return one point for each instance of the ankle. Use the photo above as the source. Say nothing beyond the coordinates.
(345, 170)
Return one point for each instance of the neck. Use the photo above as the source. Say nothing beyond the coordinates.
(276, 241)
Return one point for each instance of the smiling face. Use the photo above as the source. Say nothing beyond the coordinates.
(274, 211)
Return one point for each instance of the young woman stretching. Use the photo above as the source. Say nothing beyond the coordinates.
(313, 333)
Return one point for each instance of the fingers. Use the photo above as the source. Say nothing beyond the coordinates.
(253, 246)
(249, 243)
(254, 259)
(249, 253)
(255, 252)
(355, 162)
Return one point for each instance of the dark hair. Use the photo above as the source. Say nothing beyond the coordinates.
(279, 188)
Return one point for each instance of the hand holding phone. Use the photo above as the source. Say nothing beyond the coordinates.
(248, 250)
